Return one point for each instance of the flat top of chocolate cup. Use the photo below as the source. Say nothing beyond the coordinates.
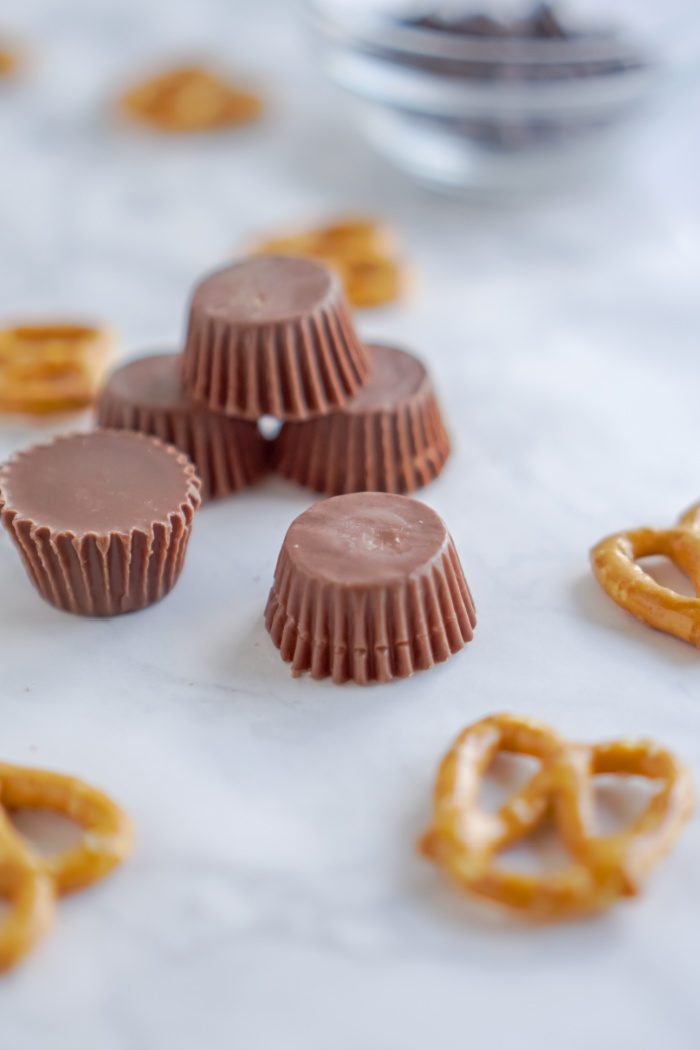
(265, 289)
(100, 482)
(365, 540)
(394, 376)
(153, 381)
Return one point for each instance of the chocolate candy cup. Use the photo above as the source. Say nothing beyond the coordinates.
(389, 438)
(147, 396)
(368, 587)
(101, 520)
(272, 335)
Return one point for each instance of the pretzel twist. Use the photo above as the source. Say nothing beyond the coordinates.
(53, 367)
(190, 99)
(9, 61)
(30, 882)
(614, 564)
(465, 840)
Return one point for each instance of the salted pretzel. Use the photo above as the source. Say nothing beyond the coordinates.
(614, 563)
(190, 99)
(363, 252)
(52, 367)
(31, 882)
(465, 840)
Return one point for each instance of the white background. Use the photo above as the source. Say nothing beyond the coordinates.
(275, 899)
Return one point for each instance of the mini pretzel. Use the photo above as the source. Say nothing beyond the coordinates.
(8, 62)
(31, 882)
(361, 250)
(627, 584)
(465, 840)
(30, 893)
(52, 367)
(345, 237)
(190, 99)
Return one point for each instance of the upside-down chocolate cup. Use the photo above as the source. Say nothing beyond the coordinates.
(272, 335)
(368, 587)
(389, 438)
(101, 520)
(147, 396)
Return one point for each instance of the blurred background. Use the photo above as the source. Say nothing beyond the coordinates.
(532, 167)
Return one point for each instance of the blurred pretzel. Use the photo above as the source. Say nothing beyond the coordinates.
(29, 892)
(9, 62)
(614, 563)
(465, 840)
(31, 882)
(52, 367)
(345, 237)
(361, 250)
(190, 99)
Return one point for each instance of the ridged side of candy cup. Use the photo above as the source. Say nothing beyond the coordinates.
(101, 520)
(389, 438)
(368, 587)
(147, 396)
(272, 335)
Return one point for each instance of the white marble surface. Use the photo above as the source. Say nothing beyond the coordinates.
(275, 898)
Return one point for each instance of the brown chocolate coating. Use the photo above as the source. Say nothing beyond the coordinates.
(368, 541)
(395, 376)
(368, 587)
(390, 437)
(101, 520)
(272, 335)
(270, 290)
(147, 395)
(153, 382)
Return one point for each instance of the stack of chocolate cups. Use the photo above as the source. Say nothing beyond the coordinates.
(273, 336)
(266, 337)
(368, 586)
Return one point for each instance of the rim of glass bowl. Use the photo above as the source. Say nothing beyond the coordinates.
(372, 32)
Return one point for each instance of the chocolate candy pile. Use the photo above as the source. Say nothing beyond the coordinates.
(273, 336)
(368, 585)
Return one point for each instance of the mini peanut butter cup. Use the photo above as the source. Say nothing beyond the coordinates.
(101, 520)
(389, 438)
(272, 335)
(368, 587)
(147, 395)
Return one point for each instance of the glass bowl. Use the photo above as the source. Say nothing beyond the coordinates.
(502, 98)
